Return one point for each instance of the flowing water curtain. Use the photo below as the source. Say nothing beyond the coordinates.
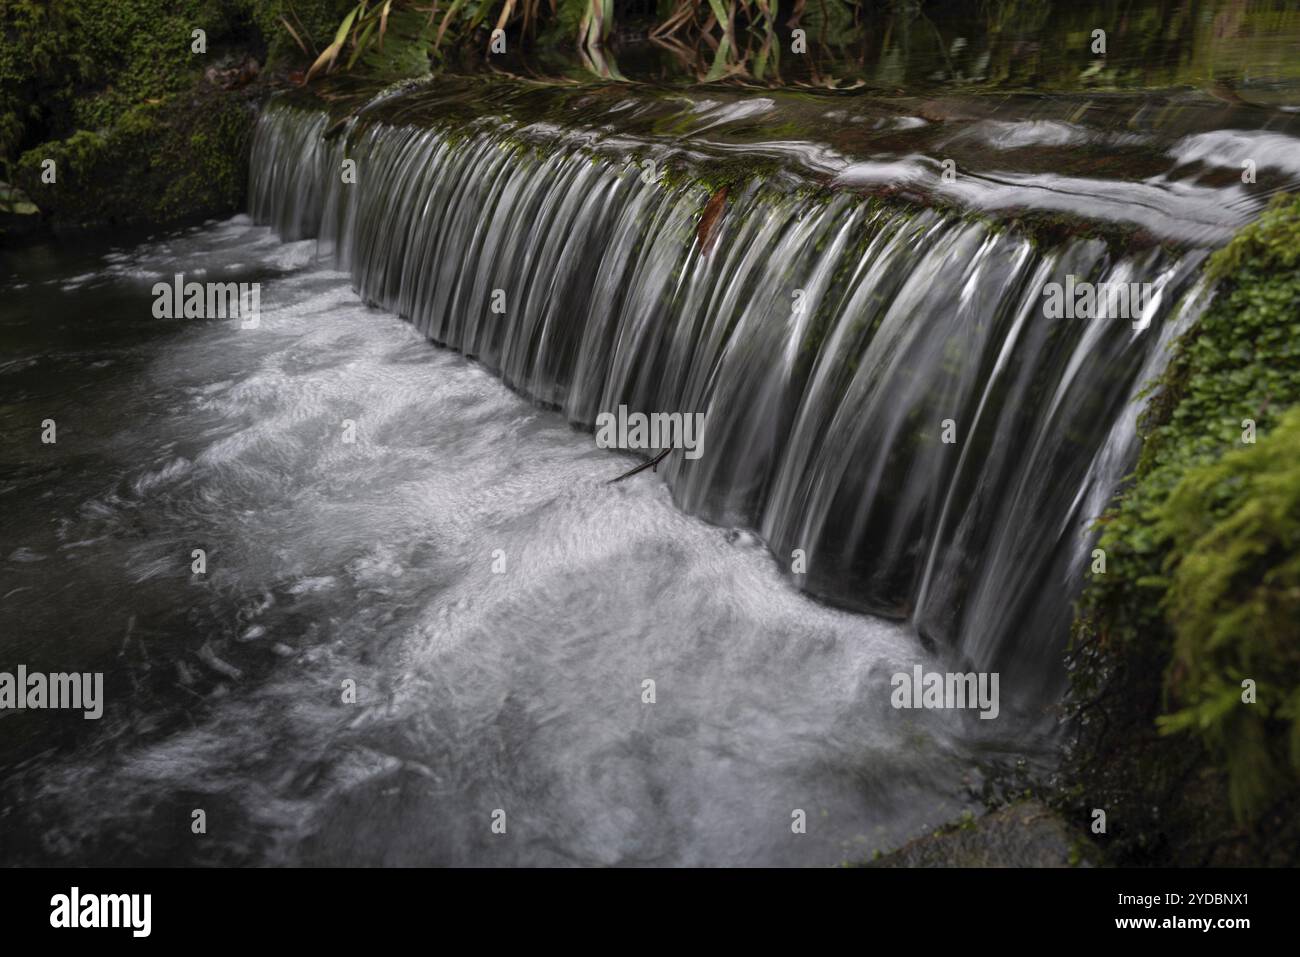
(825, 416)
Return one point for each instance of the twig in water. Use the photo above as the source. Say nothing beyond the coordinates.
(652, 464)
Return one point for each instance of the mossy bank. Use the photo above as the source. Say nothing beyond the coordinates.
(1185, 692)
(137, 111)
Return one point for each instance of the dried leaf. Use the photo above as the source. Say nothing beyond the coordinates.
(296, 39)
(707, 232)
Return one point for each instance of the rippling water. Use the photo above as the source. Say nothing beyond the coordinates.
(478, 689)
(827, 337)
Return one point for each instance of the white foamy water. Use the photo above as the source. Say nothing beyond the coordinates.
(463, 562)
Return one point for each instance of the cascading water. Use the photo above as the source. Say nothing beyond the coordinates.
(830, 338)
(383, 518)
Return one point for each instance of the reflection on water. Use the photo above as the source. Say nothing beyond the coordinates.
(373, 562)
(1229, 48)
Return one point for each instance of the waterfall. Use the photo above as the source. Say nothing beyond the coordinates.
(832, 338)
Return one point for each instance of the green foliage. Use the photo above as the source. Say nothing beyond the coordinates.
(114, 92)
(1233, 603)
(68, 64)
(1201, 550)
(14, 201)
(387, 41)
(568, 14)
(38, 60)
(283, 24)
(157, 163)
(831, 21)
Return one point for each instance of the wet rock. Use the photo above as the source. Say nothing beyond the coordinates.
(1026, 834)
(233, 72)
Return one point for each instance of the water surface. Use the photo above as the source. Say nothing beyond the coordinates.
(373, 562)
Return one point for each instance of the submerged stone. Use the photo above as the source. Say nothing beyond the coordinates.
(1026, 834)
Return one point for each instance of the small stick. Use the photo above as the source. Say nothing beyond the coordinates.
(653, 464)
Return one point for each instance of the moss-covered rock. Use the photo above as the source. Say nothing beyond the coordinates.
(1202, 588)
(186, 156)
(1024, 834)
(143, 123)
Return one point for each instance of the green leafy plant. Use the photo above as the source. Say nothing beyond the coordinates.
(1203, 591)
(1234, 606)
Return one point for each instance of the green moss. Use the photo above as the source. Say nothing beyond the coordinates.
(38, 65)
(82, 64)
(1233, 605)
(140, 125)
(1077, 855)
(185, 156)
(1201, 590)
